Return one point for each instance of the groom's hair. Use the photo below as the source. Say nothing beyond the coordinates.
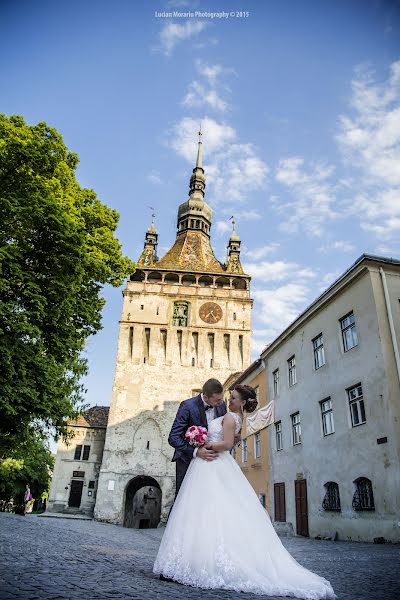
(212, 386)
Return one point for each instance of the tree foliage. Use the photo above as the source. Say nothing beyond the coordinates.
(57, 249)
(31, 462)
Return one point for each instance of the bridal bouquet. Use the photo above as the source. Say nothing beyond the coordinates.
(196, 435)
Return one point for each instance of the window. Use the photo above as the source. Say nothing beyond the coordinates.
(328, 425)
(280, 502)
(319, 353)
(331, 499)
(257, 445)
(180, 314)
(78, 451)
(86, 452)
(296, 429)
(292, 370)
(91, 485)
(244, 451)
(261, 498)
(349, 332)
(278, 434)
(275, 377)
(363, 498)
(78, 474)
(356, 403)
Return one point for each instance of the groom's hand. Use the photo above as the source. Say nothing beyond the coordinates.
(206, 453)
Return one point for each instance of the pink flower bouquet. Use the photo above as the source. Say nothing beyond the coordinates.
(196, 435)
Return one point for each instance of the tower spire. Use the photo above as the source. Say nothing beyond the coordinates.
(199, 161)
(149, 254)
(233, 264)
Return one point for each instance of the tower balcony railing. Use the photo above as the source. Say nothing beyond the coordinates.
(191, 279)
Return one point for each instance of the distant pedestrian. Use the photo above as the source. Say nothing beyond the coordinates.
(27, 498)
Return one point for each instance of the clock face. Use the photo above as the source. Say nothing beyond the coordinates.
(210, 312)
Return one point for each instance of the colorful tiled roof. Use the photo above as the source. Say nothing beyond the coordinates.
(191, 252)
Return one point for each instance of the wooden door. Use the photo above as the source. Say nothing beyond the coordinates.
(300, 489)
(75, 494)
(280, 502)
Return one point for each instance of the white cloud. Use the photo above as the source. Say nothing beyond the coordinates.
(370, 143)
(258, 253)
(154, 177)
(342, 245)
(223, 227)
(198, 96)
(184, 137)
(208, 92)
(278, 270)
(313, 194)
(278, 307)
(174, 33)
(232, 169)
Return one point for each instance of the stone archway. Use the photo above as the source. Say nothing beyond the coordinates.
(142, 503)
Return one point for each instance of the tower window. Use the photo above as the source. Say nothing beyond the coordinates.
(181, 313)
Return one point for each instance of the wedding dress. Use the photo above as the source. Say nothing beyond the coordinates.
(218, 535)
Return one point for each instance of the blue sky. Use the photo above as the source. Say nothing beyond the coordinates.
(299, 104)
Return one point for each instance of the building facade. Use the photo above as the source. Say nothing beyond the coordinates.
(77, 466)
(185, 318)
(252, 453)
(334, 376)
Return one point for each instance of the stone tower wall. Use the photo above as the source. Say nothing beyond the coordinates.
(152, 377)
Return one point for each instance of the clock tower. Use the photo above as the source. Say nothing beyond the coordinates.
(186, 318)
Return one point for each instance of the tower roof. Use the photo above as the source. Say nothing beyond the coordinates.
(192, 252)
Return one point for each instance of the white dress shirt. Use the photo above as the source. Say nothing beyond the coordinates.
(210, 416)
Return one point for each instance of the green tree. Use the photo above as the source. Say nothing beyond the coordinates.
(57, 250)
(31, 462)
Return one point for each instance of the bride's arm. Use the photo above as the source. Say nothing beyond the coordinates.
(228, 427)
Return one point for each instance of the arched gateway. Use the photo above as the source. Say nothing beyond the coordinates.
(142, 503)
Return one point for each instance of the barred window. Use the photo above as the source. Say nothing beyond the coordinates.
(296, 429)
(349, 332)
(331, 500)
(278, 433)
(180, 314)
(319, 352)
(244, 451)
(292, 370)
(328, 426)
(363, 498)
(356, 405)
(257, 445)
(275, 376)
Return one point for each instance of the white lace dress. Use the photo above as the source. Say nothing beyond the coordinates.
(219, 536)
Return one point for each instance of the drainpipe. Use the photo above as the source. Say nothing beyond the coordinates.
(391, 324)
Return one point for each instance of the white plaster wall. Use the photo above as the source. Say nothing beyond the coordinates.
(350, 452)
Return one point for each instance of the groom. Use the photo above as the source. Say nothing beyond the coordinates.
(200, 410)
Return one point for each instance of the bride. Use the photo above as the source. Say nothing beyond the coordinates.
(218, 535)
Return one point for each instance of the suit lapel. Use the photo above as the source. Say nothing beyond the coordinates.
(202, 411)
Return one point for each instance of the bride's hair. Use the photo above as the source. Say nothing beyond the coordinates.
(248, 394)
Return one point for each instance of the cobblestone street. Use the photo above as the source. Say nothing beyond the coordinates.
(71, 559)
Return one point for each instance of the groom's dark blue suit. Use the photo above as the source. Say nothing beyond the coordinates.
(190, 412)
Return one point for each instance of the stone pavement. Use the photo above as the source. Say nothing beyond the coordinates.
(62, 559)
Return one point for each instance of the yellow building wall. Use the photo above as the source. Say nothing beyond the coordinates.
(255, 469)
